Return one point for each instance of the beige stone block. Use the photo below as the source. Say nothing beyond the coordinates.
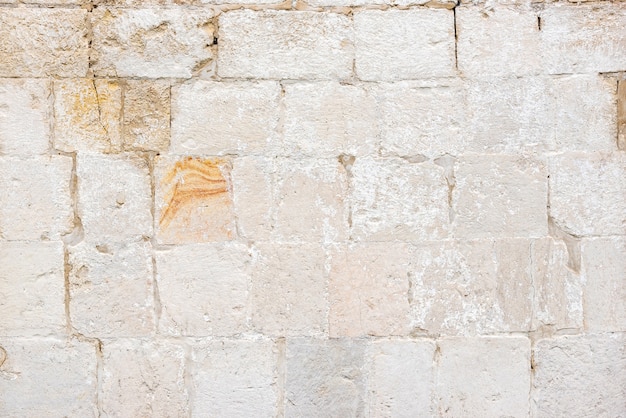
(499, 196)
(142, 378)
(35, 201)
(88, 113)
(288, 292)
(587, 193)
(394, 199)
(32, 295)
(368, 287)
(217, 118)
(285, 44)
(203, 289)
(484, 377)
(579, 376)
(114, 198)
(111, 292)
(152, 42)
(328, 119)
(47, 377)
(146, 115)
(40, 42)
(325, 378)
(193, 200)
(404, 44)
(235, 378)
(24, 116)
(400, 377)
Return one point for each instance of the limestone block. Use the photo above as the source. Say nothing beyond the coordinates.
(111, 291)
(47, 377)
(579, 376)
(604, 271)
(484, 377)
(471, 287)
(368, 286)
(324, 378)
(235, 378)
(285, 44)
(193, 200)
(583, 38)
(35, 200)
(151, 42)
(87, 115)
(400, 376)
(328, 119)
(203, 289)
(587, 193)
(309, 201)
(32, 292)
(114, 198)
(142, 378)
(288, 292)
(146, 115)
(500, 196)
(394, 199)
(40, 42)
(404, 44)
(24, 116)
(216, 118)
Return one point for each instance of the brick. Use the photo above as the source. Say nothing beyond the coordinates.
(285, 44)
(500, 196)
(151, 43)
(146, 115)
(467, 385)
(328, 119)
(368, 287)
(394, 199)
(47, 377)
(587, 193)
(235, 378)
(203, 289)
(216, 118)
(43, 42)
(110, 289)
(579, 376)
(35, 198)
(33, 292)
(404, 44)
(142, 378)
(24, 116)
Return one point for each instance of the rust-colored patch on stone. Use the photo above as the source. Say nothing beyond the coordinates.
(621, 114)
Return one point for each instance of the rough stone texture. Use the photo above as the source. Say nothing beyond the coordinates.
(621, 114)
(580, 376)
(146, 115)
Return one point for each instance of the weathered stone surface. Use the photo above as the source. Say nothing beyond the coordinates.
(32, 293)
(324, 378)
(285, 44)
(216, 118)
(143, 378)
(111, 291)
(146, 115)
(203, 289)
(621, 114)
(235, 378)
(468, 385)
(35, 201)
(24, 116)
(151, 42)
(587, 193)
(394, 199)
(114, 198)
(368, 289)
(404, 44)
(47, 377)
(579, 376)
(43, 42)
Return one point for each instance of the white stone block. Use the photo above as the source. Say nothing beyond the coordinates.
(146, 115)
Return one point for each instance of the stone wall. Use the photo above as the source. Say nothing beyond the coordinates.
(338, 208)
